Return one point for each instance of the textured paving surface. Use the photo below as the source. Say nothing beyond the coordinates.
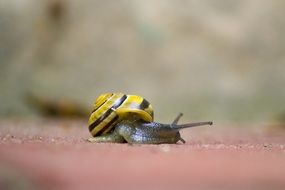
(54, 155)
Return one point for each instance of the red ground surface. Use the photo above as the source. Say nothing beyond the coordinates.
(47, 154)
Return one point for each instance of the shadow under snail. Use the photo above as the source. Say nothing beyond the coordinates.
(121, 118)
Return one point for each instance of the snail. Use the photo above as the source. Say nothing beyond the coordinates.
(121, 118)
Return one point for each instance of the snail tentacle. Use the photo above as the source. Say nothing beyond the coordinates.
(177, 119)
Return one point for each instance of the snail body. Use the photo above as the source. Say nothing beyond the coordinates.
(121, 118)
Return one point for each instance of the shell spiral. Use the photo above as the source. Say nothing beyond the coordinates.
(111, 108)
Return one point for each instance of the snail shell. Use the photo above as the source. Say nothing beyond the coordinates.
(111, 108)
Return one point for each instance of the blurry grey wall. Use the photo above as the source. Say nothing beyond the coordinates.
(212, 59)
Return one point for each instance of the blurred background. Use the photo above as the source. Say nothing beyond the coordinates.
(220, 60)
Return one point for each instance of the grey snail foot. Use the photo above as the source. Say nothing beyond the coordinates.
(140, 133)
(108, 138)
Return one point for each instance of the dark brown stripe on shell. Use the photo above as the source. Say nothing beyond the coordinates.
(144, 104)
(100, 119)
(108, 125)
(107, 113)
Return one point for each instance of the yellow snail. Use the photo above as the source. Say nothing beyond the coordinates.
(121, 118)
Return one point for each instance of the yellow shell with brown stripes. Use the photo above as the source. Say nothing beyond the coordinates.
(111, 108)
